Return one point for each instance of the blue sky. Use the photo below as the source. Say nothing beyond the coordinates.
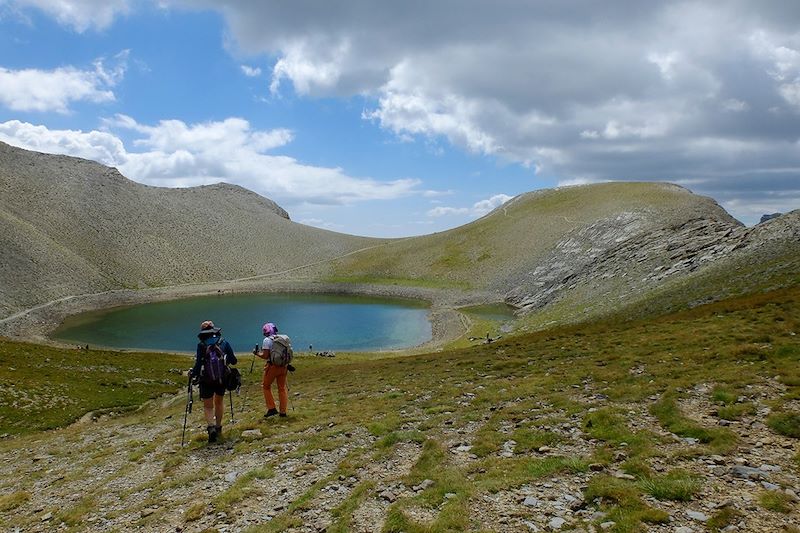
(389, 119)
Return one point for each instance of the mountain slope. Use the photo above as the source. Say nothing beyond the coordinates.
(71, 226)
(536, 236)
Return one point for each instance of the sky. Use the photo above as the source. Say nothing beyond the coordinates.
(393, 119)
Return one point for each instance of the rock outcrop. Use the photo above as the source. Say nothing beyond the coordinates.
(611, 263)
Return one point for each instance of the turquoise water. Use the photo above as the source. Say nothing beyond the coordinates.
(327, 322)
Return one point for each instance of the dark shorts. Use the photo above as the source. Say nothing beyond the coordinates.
(207, 390)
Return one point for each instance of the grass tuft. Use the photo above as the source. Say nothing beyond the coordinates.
(343, 513)
(623, 502)
(786, 423)
(13, 500)
(736, 411)
(722, 518)
(194, 512)
(669, 415)
(495, 475)
(240, 489)
(609, 426)
(723, 395)
(773, 500)
(678, 485)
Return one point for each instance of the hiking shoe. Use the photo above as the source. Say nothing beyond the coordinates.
(271, 412)
(219, 432)
(212, 434)
(283, 415)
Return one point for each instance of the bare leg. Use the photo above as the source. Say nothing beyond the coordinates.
(208, 410)
(219, 409)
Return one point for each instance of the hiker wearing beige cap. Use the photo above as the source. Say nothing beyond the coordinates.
(213, 356)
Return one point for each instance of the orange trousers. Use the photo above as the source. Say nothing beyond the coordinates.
(272, 373)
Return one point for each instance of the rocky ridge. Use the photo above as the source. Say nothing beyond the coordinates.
(612, 263)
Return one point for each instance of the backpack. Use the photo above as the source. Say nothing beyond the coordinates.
(214, 367)
(281, 353)
(233, 379)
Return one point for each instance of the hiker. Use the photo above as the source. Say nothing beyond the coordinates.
(209, 371)
(277, 351)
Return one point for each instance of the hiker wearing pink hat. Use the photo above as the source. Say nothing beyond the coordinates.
(277, 351)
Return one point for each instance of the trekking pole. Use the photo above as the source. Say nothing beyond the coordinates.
(252, 364)
(189, 402)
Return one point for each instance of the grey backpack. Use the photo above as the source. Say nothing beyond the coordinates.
(281, 353)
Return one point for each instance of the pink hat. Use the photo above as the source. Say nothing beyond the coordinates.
(269, 329)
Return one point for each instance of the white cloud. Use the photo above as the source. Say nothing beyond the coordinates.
(666, 63)
(175, 154)
(784, 61)
(620, 90)
(624, 90)
(478, 209)
(791, 93)
(54, 90)
(251, 72)
(575, 181)
(80, 15)
(211, 137)
(308, 74)
(96, 145)
(485, 206)
(437, 194)
(453, 117)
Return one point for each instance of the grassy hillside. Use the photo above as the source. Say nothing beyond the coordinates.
(42, 387)
(688, 420)
(496, 251)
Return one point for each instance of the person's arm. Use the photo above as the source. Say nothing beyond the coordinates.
(265, 348)
(198, 362)
(230, 357)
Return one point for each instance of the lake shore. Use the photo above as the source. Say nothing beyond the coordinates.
(447, 323)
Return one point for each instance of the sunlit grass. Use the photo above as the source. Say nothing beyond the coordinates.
(720, 440)
(13, 500)
(592, 383)
(622, 500)
(46, 387)
(677, 485)
(775, 501)
(785, 423)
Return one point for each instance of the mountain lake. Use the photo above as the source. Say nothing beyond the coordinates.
(315, 322)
